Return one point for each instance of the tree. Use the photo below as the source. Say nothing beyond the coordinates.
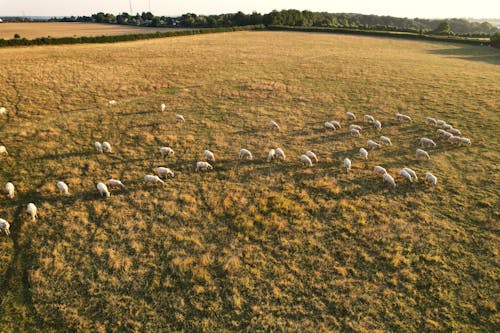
(156, 21)
(443, 28)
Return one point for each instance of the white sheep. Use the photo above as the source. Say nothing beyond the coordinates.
(209, 155)
(354, 132)
(274, 125)
(3, 150)
(441, 132)
(152, 179)
(350, 115)
(455, 131)
(202, 165)
(377, 125)
(386, 140)
(166, 151)
(354, 126)
(112, 102)
(447, 127)
(32, 211)
(98, 146)
(422, 153)
(403, 117)
(431, 178)
(368, 118)
(335, 123)
(406, 175)
(9, 187)
(363, 153)
(329, 125)
(163, 107)
(5, 226)
(440, 122)
(115, 183)
(305, 160)
(347, 165)
(103, 189)
(380, 170)
(3, 110)
(389, 179)
(165, 172)
(370, 144)
(245, 153)
(426, 142)
(107, 147)
(271, 155)
(312, 156)
(465, 140)
(63, 187)
(431, 121)
(281, 154)
(412, 173)
(179, 118)
(454, 140)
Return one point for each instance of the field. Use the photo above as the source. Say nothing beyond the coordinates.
(71, 29)
(249, 246)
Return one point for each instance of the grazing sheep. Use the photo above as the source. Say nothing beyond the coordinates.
(245, 153)
(347, 165)
(152, 179)
(354, 132)
(163, 107)
(370, 144)
(166, 151)
(312, 156)
(403, 117)
(98, 147)
(103, 189)
(422, 153)
(274, 125)
(455, 131)
(9, 187)
(329, 125)
(377, 125)
(368, 118)
(32, 211)
(3, 150)
(305, 160)
(431, 178)
(440, 122)
(363, 153)
(209, 155)
(386, 140)
(63, 188)
(107, 147)
(380, 170)
(5, 226)
(406, 175)
(350, 116)
(354, 126)
(3, 110)
(465, 141)
(179, 118)
(115, 183)
(271, 155)
(447, 127)
(389, 179)
(454, 140)
(165, 172)
(203, 166)
(426, 142)
(412, 173)
(431, 121)
(112, 102)
(281, 154)
(441, 132)
(335, 123)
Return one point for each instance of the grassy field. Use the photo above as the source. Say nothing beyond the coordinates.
(249, 246)
(70, 29)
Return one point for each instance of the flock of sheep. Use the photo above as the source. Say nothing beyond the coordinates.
(444, 131)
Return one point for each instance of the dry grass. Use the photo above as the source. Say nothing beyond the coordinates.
(70, 29)
(250, 246)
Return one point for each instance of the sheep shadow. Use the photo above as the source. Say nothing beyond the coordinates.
(134, 113)
(66, 155)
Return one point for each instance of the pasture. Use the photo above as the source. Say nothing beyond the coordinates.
(250, 245)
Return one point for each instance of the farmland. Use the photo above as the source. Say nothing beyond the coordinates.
(251, 245)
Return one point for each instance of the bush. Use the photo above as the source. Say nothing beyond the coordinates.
(16, 36)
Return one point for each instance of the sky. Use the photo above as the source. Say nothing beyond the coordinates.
(399, 8)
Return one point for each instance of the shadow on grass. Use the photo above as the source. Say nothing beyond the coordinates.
(472, 53)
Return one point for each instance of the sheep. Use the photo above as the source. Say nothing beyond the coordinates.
(377, 125)
(412, 173)
(245, 153)
(386, 140)
(271, 155)
(454, 140)
(354, 126)
(441, 132)
(202, 165)
(103, 189)
(32, 211)
(162, 107)
(166, 151)
(5, 226)
(380, 170)
(329, 125)
(106, 147)
(274, 125)
(3, 150)
(305, 160)
(402, 117)
(455, 131)
(465, 140)
(370, 144)
(426, 142)
(389, 179)
(406, 175)
(9, 187)
(162, 171)
(63, 187)
(312, 156)
(98, 147)
(179, 118)
(347, 165)
(112, 102)
(363, 153)
(355, 132)
(3, 110)
(209, 155)
(152, 179)
(431, 178)
(115, 183)
(350, 116)
(447, 127)
(431, 121)
(336, 124)
(281, 154)
(368, 118)
(422, 153)
(440, 122)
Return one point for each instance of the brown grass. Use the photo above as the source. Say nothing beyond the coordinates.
(249, 246)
